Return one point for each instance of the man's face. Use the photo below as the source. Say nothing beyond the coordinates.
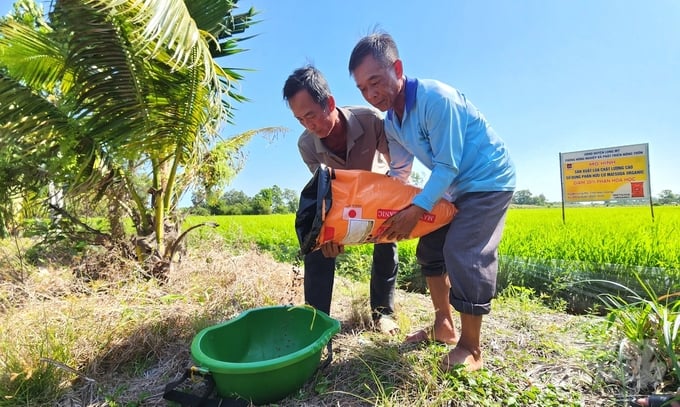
(311, 115)
(378, 84)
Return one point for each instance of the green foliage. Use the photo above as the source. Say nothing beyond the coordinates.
(648, 319)
(524, 197)
(29, 377)
(271, 233)
(101, 95)
(389, 373)
(222, 162)
(667, 197)
(276, 234)
(30, 387)
(356, 262)
(272, 200)
(263, 202)
(537, 251)
(409, 276)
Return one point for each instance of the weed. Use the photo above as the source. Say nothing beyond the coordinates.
(650, 327)
(130, 335)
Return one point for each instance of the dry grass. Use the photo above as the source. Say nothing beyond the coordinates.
(119, 338)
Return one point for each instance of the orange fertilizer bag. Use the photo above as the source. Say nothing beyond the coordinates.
(348, 207)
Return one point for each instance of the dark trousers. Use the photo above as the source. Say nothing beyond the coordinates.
(320, 273)
(467, 249)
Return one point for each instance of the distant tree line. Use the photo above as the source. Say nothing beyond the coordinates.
(667, 197)
(267, 201)
(525, 197)
(277, 200)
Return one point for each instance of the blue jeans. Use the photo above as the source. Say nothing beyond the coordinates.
(320, 273)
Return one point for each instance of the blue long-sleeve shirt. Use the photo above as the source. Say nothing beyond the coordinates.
(447, 134)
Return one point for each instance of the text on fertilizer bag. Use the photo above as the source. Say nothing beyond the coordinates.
(388, 213)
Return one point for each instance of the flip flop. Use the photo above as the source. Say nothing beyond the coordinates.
(386, 325)
(426, 335)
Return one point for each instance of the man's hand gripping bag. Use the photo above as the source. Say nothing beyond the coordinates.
(348, 207)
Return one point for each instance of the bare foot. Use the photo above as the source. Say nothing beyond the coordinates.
(433, 334)
(386, 325)
(462, 356)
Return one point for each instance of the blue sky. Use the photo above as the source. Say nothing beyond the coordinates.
(550, 76)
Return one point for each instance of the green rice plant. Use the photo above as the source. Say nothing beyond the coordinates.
(595, 243)
(270, 233)
(620, 235)
(276, 234)
(538, 250)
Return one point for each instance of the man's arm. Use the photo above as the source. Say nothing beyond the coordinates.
(446, 137)
(445, 130)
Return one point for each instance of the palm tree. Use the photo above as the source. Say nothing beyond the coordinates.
(104, 93)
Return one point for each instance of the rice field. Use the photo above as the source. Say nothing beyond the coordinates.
(561, 260)
(271, 233)
(578, 259)
(617, 235)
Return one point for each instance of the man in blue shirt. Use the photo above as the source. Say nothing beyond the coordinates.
(470, 166)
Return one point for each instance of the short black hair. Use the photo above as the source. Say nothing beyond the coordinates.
(310, 79)
(380, 45)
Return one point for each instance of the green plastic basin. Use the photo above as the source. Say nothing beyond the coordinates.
(264, 354)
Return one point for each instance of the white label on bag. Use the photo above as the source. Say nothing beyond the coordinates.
(357, 231)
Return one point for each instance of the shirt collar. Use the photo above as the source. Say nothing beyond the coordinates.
(353, 130)
(410, 88)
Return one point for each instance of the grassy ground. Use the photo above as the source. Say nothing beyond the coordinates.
(91, 335)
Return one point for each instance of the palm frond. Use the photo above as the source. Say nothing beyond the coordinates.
(111, 86)
(166, 26)
(34, 56)
(28, 115)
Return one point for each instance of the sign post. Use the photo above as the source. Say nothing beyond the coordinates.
(606, 174)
